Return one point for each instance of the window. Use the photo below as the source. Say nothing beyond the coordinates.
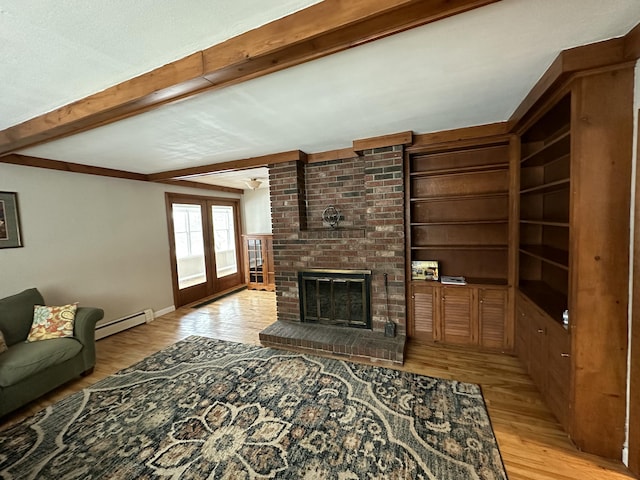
(187, 221)
(189, 242)
(224, 240)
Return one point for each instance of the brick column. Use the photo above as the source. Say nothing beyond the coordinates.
(384, 193)
(288, 216)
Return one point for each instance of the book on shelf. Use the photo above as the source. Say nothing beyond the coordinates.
(449, 280)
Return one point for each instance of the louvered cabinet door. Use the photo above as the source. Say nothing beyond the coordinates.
(424, 311)
(459, 321)
(492, 311)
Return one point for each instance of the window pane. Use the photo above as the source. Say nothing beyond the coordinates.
(182, 245)
(224, 238)
(187, 225)
(179, 220)
(195, 220)
(197, 243)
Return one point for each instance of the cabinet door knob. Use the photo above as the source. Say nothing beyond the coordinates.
(541, 330)
(565, 355)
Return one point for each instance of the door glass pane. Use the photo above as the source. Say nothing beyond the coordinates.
(187, 229)
(254, 248)
(224, 238)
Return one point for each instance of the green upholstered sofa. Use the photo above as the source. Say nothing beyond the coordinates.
(29, 370)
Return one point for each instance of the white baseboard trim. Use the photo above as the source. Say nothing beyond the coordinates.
(164, 311)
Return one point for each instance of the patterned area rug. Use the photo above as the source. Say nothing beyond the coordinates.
(205, 409)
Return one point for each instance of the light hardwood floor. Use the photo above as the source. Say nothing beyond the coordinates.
(532, 443)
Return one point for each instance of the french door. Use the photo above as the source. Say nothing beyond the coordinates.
(204, 242)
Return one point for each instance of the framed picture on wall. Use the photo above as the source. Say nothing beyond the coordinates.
(425, 270)
(9, 221)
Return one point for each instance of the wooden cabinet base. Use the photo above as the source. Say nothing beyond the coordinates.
(544, 347)
(471, 315)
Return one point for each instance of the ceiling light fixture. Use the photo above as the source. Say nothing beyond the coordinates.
(253, 183)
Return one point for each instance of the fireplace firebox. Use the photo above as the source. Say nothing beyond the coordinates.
(335, 297)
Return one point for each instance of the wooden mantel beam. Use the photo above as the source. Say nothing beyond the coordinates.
(319, 30)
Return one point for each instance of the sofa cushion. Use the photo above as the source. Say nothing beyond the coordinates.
(16, 315)
(52, 322)
(25, 359)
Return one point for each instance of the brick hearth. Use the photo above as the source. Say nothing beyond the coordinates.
(349, 342)
(369, 192)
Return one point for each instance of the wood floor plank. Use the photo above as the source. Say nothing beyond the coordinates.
(532, 443)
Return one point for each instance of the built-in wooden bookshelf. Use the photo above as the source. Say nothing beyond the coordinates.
(545, 186)
(459, 204)
(573, 247)
(459, 212)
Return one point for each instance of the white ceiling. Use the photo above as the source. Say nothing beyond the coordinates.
(470, 69)
(237, 179)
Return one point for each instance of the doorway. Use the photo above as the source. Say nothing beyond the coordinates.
(204, 241)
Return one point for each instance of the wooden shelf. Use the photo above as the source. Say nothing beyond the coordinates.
(551, 255)
(477, 282)
(545, 223)
(441, 198)
(489, 282)
(461, 247)
(554, 303)
(461, 222)
(558, 146)
(461, 170)
(548, 187)
(550, 163)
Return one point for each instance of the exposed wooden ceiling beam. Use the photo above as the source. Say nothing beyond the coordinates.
(322, 29)
(263, 161)
(139, 94)
(319, 30)
(28, 161)
(202, 186)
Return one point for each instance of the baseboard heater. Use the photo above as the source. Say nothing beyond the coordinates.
(124, 323)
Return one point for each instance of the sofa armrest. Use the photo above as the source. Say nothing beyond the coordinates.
(84, 330)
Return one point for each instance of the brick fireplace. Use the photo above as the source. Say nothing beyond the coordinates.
(368, 190)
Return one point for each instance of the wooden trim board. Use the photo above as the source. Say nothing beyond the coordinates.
(322, 29)
(28, 161)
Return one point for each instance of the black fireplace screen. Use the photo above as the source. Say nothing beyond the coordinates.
(335, 297)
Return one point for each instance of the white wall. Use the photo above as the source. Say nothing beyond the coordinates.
(100, 241)
(257, 211)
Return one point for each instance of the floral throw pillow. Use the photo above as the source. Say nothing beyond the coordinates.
(3, 344)
(52, 322)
